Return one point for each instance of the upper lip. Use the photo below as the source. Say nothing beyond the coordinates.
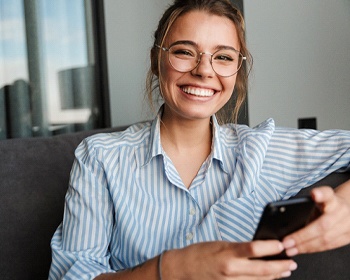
(199, 86)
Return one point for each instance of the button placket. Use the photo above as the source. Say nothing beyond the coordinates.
(192, 212)
(192, 217)
(189, 236)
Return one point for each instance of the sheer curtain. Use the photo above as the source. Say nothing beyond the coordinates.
(47, 68)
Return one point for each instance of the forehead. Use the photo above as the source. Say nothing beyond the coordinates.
(205, 29)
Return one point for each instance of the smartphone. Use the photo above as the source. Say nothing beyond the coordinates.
(283, 217)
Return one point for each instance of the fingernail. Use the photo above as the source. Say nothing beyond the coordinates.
(289, 243)
(292, 252)
(317, 194)
(293, 266)
(286, 274)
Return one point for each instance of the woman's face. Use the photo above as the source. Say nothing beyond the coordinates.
(200, 93)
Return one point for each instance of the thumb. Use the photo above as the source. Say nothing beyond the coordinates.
(324, 197)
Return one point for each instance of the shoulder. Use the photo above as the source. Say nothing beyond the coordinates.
(133, 136)
(242, 132)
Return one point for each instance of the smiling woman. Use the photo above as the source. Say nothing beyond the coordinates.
(183, 55)
(180, 196)
(50, 65)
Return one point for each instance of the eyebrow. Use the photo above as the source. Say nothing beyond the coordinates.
(221, 47)
(183, 42)
(188, 42)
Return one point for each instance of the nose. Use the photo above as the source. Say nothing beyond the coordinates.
(204, 67)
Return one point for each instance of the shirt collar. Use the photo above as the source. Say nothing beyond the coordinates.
(155, 147)
(217, 149)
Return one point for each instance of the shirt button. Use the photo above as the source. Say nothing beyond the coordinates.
(192, 212)
(189, 236)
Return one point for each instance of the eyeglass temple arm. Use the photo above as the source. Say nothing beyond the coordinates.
(162, 48)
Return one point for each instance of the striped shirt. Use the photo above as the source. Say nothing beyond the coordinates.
(126, 202)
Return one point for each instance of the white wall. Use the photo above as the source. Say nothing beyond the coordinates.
(301, 59)
(129, 30)
(301, 53)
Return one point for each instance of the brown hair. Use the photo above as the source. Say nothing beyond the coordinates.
(217, 7)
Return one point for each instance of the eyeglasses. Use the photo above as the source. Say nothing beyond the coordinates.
(185, 57)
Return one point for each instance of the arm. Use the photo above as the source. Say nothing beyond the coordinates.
(297, 159)
(147, 270)
(212, 260)
(80, 244)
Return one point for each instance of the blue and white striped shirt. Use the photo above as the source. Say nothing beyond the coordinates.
(126, 202)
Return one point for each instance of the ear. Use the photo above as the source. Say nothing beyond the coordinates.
(154, 61)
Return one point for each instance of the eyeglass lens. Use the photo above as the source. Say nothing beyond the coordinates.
(225, 62)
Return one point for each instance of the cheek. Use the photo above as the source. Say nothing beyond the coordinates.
(165, 71)
(163, 74)
(168, 75)
(229, 83)
(164, 64)
(163, 79)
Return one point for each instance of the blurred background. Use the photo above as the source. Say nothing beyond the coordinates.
(71, 65)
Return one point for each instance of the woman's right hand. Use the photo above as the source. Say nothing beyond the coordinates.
(226, 260)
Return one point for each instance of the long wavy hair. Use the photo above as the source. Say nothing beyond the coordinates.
(216, 7)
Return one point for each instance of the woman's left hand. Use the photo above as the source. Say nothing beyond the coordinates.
(330, 230)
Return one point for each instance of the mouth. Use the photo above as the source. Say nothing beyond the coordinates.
(202, 92)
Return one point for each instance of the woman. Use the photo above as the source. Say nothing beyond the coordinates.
(180, 197)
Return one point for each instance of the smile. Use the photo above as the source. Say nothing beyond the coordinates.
(198, 91)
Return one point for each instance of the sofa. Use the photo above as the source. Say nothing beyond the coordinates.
(34, 176)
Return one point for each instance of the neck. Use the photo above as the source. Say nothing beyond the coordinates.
(187, 143)
(185, 134)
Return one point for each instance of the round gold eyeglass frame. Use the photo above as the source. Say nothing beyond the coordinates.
(199, 55)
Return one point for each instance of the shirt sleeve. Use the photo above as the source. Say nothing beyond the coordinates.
(298, 158)
(80, 244)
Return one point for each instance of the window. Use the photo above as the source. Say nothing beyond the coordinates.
(50, 67)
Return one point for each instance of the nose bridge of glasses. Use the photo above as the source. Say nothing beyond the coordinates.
(203, 53)
(203, 65)
(200, 60)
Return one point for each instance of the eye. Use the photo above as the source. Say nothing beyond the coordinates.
(183, 52)
(224, 57)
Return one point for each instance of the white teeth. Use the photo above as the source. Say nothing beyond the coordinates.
(198, 91)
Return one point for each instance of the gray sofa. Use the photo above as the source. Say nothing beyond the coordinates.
(34, 176)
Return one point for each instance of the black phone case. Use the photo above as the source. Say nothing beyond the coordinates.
(283, 217)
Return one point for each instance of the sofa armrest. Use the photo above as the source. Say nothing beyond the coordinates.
(333, 180)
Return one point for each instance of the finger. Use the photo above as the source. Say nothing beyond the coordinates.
(327, 202)
(277, 276)
(308, 238)
(325, 198)
(285, 274)
(314, 245)
(260, 268)
(330, 231)
(258, 249)
(240, 264)
(327, 232)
